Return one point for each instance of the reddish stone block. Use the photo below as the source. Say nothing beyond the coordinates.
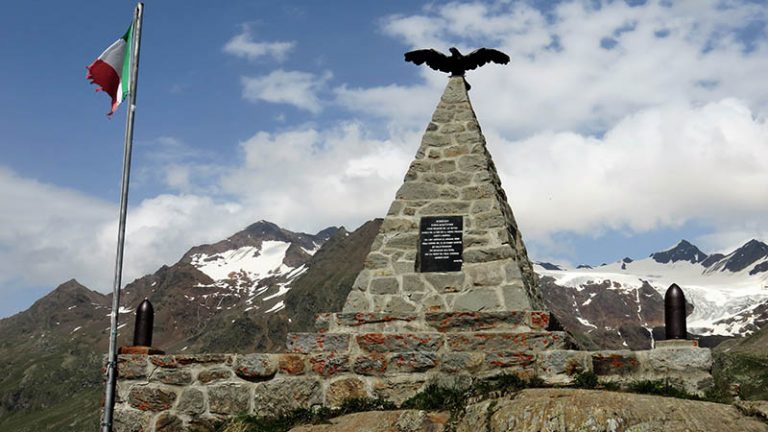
(146, 398)
(508, 359)
(291, 364)
(505, 341)
(132, 366)
(256, 367)
(412, 362)
(399, 342)
(323, 322)
(473, 321)
(317, 342)
(539, 320)
(329, 365)
(362, 318)
(614, 363)
(166, 361)
(370, 364)
(214, 374)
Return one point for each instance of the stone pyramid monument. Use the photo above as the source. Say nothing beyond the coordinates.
(449, 242)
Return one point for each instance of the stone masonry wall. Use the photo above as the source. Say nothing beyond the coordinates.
(452, 175)
(166, 393)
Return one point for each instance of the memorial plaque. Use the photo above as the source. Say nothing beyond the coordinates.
(440, 244)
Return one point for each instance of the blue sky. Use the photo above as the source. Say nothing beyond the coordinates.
(618, 128)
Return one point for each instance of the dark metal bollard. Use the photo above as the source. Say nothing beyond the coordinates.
(674, 313)
(142, 331)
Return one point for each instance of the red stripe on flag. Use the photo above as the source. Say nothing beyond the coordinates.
(102, 74)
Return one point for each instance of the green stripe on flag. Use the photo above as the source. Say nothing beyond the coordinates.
(125, 76)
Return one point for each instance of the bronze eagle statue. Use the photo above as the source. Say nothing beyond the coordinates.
(457, 63)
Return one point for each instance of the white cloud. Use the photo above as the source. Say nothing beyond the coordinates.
(308, 179)
(244, 46)
(561, 78)
(658, 168)
(288, 87)
(49, 234)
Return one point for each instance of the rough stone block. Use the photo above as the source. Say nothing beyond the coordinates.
(370, 364)
(376, 261)
(455, 151)
(357, 302)
(680, 359)
(393, 224)
(485, 274)
(395, 208)
(398, 304)
(382, 286)
(256, 367)
(444, 166)
(229, 399)
(345, 389)
(127, 420)
(417, 191)
(433, 303)
(614, 362)
(413, 283)
(317, 342)
(504, 359)
(478, 299)
(515, 297)
(565, 363)
(539, 320)
(472, 162)
(474, 321)
(458, 179)
(442, 208)
(216, 373)
(173, 376)
(446, 282)
(480, 255)
(412, 361)
(204, 424)
(399, 342)
(455, 362)
(164, 361)
(191, 401)
(323, 322)
(281, 396)
(398, 389)
(435, 139)
(150, 398)
(167, 422)
(361, 319)
(132, 366)
(291, 364)
(505, 341)
(329, 364)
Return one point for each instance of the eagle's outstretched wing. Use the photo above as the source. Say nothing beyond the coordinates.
(482, 56)
(433, 58)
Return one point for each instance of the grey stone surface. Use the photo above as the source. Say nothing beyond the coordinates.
(229, 399)
(191, 401)
(284, 395)
(479, 299)
(256, 367)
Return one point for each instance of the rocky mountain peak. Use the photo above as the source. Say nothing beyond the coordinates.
(743, 257)
(683, 251)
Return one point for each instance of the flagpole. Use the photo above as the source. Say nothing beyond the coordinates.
(109, 400)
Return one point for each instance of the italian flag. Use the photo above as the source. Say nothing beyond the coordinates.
(111, 71)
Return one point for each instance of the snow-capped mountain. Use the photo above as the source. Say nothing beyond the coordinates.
(729, 293)
(255, 266)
